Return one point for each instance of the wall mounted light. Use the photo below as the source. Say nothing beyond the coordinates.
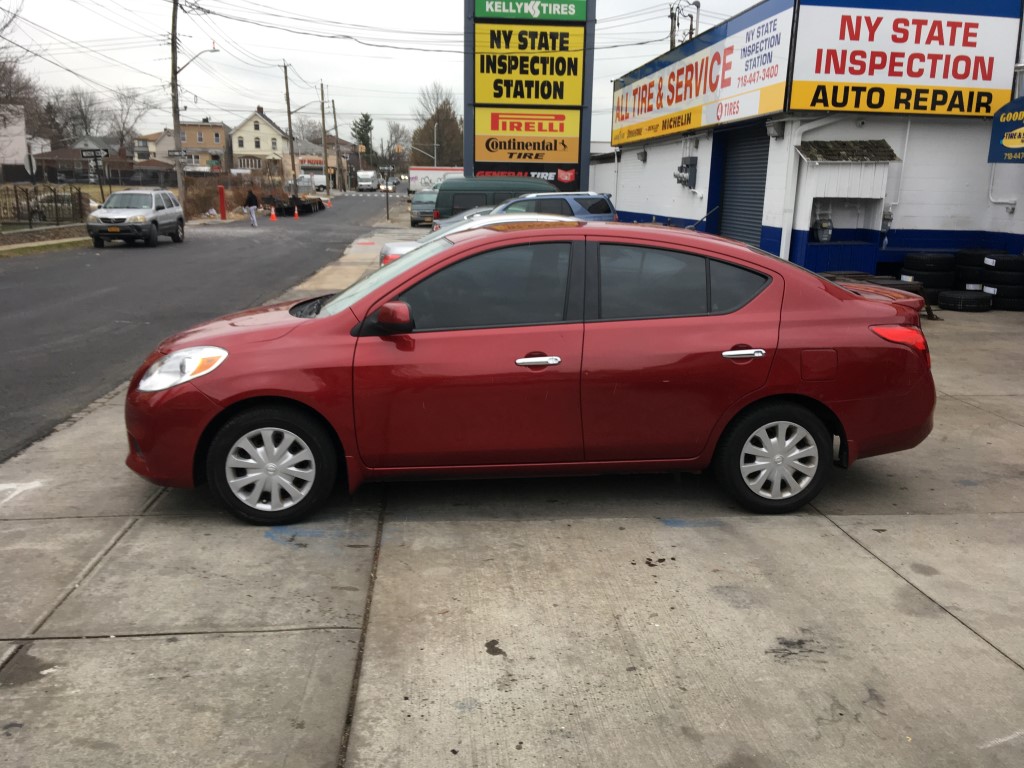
(642, 155)
(775, 128)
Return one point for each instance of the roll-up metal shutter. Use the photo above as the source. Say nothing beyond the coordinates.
(746, 169)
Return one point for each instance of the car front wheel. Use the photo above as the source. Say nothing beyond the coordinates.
(775, 458)
(154, 235)
(272, 466)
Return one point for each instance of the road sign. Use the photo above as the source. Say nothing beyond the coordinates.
(95, 153)
(177, 153)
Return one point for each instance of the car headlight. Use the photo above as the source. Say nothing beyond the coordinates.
(139, 219)
(181, 366)
(94, 217)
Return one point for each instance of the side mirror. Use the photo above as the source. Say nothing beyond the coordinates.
(395, 317)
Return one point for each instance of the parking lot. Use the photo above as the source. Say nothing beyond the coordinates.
(615, 621)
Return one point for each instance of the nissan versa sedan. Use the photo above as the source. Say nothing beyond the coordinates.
(559, 347)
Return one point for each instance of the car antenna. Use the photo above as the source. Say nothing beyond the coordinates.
(701, 219)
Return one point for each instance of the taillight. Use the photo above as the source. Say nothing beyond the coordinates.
(389, 258)
(906, 335)
(437, 214)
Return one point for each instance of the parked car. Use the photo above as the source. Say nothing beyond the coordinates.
(458, 193)
(592, 206)
(137, 214)
(421, 209)
(472, 213)
(482, 353)
(397, 248)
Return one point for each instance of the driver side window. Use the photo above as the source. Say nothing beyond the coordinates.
(520, 285)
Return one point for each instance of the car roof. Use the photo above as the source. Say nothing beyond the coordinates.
(566, 194)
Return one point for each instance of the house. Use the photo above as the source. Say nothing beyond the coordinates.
(259, 144)
(13, 140)
(208, 145)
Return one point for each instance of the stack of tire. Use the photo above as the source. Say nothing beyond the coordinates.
(935, 271)
(986, 279)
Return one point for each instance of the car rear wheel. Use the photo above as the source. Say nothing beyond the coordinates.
(775, 458)
(179, 232)
(272, 466)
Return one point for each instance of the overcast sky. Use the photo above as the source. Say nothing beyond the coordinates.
(373, 56)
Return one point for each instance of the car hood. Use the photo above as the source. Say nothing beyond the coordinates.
(123, 212)
(252, 326)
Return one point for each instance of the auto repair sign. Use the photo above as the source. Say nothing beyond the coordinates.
(934, 57)
(733, 72)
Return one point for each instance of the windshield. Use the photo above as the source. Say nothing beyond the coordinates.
(424, 197)
(374, 280)
(129, 200)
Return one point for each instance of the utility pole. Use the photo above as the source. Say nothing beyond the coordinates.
(323, 127)
(342, 184)
(672, 10)
(175, 112)
(291, 137)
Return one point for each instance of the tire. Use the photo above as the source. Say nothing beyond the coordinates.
(154, 235)
(930, 279)
(1005, 291)
(778, 482)
(290, 488)
(930, 262)
(1009, 305)
(975, 257)
(969, 276)
(98, 242)
(965, 301)
(178, 235)
(1000, 277)
(1008, 262)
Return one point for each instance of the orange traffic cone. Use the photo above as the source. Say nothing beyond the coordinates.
(329, 202)
(273, 213)
(295, 208)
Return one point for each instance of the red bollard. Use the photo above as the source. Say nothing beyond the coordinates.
(223, 208)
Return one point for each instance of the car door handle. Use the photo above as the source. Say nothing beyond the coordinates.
(740, 354)
(547, 360)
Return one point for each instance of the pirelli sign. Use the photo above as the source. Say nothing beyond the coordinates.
(528, 78)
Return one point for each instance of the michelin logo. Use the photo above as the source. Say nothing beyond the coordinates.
(534, 8)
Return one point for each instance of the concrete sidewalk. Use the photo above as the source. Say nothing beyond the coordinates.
(581, 622)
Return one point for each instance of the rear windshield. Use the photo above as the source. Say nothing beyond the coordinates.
(595, 204)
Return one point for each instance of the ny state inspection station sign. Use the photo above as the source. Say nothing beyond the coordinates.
(528, 84)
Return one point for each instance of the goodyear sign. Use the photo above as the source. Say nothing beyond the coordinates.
(935, 57)
(1007, 145)
(527, 135)
(533, 10)
(529, 64)
(734, 72)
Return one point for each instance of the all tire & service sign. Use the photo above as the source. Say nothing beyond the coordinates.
(934, 57)
(736, 71)
(528, 84)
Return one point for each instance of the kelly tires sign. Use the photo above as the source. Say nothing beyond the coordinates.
(932, 57)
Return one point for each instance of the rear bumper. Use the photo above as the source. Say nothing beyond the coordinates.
(888, 424)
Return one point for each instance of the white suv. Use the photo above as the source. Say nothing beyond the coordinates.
(137, 214)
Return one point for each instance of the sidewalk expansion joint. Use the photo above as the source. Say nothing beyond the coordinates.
(924, 594)
(33, 639)
(354, 690)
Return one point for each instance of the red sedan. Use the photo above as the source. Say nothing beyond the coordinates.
(559, 348)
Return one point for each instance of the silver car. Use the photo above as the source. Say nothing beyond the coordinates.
(394, 250)
(137, 214)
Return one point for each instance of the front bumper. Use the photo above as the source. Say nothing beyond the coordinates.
(116, 231)
(165, 430)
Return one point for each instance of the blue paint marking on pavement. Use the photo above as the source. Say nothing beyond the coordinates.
(290, 534)
(676, 523)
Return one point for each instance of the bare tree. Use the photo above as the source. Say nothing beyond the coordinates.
(396, 146)
(309, 129)
(430, 100)
(130, 106)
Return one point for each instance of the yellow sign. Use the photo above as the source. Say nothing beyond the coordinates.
(529, 64)
(518, 134)
(889, 98)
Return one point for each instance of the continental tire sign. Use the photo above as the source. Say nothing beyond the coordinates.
(932, 57)
(527, 81)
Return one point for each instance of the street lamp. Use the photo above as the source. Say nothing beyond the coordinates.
(175, 111)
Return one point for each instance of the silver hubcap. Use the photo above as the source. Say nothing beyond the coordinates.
(779, 460)
(270, 469)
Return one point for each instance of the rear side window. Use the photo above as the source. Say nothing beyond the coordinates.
(521, 285)
(732, 286)
(463, 201)
(638, 282)
(595, 204)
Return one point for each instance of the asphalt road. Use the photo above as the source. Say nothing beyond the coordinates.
(75, 324)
